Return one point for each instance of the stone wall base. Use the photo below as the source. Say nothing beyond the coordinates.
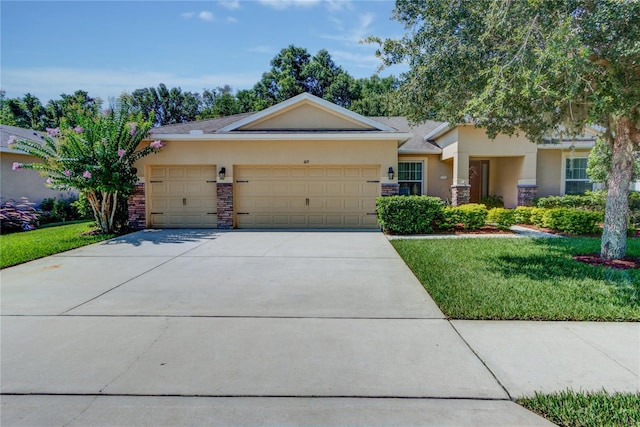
(137, 208)
(390, 189)
(460, 194)
(526, 194)
(224, 201)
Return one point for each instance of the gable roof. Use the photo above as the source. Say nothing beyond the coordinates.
(351, 120)
(302, 117)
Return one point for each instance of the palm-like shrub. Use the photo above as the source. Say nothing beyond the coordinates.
(95, 157)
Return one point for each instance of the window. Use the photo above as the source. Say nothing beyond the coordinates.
(410, 178)
(576, 178)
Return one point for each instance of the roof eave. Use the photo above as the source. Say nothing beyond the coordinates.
(439, 131)
(401, 137)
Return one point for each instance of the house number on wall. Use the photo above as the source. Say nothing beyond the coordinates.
(306, 162)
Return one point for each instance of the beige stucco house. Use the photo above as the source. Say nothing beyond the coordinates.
(29, 184)
(308, 163)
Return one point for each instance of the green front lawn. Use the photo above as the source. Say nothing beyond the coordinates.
(586, 409)
(525, 279)
(17, 248)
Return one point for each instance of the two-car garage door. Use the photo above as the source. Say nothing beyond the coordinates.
(266, 196)
(306, 196)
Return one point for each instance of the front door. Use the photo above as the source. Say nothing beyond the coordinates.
(478, 179)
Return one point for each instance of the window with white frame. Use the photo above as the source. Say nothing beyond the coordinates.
(576, 180)
(410, 178)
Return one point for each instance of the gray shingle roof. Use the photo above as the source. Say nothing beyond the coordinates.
(7, 131)
(416, 144)
(206, 126)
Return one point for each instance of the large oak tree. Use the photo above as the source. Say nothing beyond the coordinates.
(529, 66)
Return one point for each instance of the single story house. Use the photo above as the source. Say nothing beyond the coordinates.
(308, 163)
(26, 183)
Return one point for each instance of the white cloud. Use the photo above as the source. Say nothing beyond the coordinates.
(205, 15)
(356, 34)
(230, 4)
(187, 15)
(232, 20)
(367, 60)
(50, 83)
(262, 49)
(285, 4)
(338, 5)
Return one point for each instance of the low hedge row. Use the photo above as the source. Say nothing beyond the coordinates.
(424, 214)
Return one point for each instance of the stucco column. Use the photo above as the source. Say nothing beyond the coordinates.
(224, 204)
(527, 185)
(461, 169)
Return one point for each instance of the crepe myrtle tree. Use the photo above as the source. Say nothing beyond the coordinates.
(95, 157)
(529, 66)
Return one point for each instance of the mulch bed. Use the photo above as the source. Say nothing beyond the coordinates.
(487, 229)
(618, 264)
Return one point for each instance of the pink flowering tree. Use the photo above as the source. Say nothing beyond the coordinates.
(95, 157)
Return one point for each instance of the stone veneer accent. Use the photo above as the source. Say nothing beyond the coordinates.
(390, 189)
(460, 194)
(137, 208)
(526, 194)
(224, 192)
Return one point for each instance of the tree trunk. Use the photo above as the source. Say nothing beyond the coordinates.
(616, 214)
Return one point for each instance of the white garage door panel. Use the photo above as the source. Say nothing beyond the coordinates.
(183, 196)
(306, 196)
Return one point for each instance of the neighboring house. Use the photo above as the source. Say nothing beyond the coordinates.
(308, 163)
(15, 185)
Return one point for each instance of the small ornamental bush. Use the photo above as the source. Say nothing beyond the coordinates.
(59, 210)
(572, 221)
(522, 214)
(17, 216)
(501, 217)
(408, 214)
(537, 216)
(468, 217)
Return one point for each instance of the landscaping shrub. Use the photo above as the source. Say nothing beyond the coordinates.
(408, 214)
(469, 217)
(537, 217)
(17, 216)
(59, 210)
(572, 221)
(493, 201)
(501, 217)
(522, 214)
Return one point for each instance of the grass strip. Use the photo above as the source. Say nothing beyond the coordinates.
(573, 409)
(523, 279)
(17, 248)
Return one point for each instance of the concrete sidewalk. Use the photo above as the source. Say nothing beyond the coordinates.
(198, 327)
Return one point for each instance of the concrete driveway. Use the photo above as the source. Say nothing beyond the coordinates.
(193, 327)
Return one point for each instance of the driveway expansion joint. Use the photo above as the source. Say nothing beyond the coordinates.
(495, 377)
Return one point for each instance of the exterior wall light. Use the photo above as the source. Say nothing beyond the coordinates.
(390, 172)
(222, 173)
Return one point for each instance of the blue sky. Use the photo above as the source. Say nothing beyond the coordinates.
(107, 47)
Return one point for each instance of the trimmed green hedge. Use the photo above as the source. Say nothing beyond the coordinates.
(502, 218)
(423, 214)
(469, 217)
(408, 214)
